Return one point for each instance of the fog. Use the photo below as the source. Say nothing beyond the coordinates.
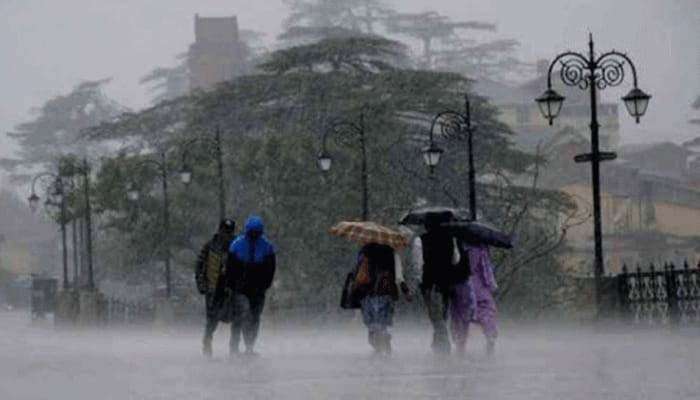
(48, 47)
(305, 362)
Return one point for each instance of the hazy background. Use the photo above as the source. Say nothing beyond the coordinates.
(48, 46)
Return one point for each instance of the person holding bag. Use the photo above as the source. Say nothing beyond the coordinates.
(377, 279)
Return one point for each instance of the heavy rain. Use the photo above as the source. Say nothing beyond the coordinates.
(353, 199)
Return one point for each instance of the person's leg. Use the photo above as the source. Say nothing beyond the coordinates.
(486, 317)
(251, 324)
(368, 317)
(436, 305)
(210, 326)
(386, 320)
(460, 315)
(240, 310)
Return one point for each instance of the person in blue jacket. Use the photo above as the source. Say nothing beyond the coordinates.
(250, 269)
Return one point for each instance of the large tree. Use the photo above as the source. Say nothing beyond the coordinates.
(57, 128)
(358, 16)
(272, 124)
(429, 27)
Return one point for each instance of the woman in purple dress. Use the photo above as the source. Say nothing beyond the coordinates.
(472, 300)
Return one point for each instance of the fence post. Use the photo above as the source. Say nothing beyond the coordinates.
(672, 295)
(623, 292)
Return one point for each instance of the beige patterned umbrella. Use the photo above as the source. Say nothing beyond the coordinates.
(369, 232)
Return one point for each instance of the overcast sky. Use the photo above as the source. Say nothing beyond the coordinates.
(48, 46)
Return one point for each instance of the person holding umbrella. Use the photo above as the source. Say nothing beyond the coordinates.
(482, 286)
(436, 256)
(473, 299)
(378, 275)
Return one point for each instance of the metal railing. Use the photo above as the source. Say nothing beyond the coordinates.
(660, 297)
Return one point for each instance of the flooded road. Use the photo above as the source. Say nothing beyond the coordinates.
(37, 362)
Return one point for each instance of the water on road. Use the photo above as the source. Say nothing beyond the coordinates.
(38, 362)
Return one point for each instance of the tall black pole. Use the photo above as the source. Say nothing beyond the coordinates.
(365, 189)
(166, 223)
(472, 171)
(595, 176)
(88, 225)
(63, 240)
(83, 251)
(220, 174)
(74, 231)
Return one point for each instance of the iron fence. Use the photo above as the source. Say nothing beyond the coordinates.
(663, 296)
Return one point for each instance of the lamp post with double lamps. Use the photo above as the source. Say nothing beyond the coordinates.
(593, 72)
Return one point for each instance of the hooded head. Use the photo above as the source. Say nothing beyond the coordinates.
(227, 229)
(252, 246)
(254, 227)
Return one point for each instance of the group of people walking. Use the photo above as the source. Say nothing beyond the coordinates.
(234, 273)
(457, 285)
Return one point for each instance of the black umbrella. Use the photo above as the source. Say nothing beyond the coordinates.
(479, 233)
(418, 216)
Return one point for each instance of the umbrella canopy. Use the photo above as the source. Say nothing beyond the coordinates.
(418, 216)
(369, 232)
(479, 233)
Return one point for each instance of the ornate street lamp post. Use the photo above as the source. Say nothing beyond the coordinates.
(593, 73)
(59, 199)
(358, 130)
(455, 125)
(186, 171)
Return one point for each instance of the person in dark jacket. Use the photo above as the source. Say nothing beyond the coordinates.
(250, 270)
(435, 255)
(378, 277)
(208, 275)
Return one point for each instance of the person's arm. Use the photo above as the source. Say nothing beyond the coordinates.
(232, 264)
(488, 270)
(398, 268)
(269, 268)
(200, 272)
(400, 281)
(456, 257)
(417, 257)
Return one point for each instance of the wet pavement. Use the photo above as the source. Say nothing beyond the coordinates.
(38, 362)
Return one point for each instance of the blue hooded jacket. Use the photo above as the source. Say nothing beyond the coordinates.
(251, 263)
(249, 250)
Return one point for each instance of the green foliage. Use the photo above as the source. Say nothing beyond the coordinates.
(271, 125)
(357, 53)
(57, 128)
(352, 15)
(428, 27)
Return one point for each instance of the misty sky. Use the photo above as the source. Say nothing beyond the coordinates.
(48, 46)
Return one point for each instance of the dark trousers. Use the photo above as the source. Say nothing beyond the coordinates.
(246, 319)
(213, 313)
(437, 304)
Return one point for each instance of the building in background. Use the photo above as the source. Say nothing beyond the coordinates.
(217, 55)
